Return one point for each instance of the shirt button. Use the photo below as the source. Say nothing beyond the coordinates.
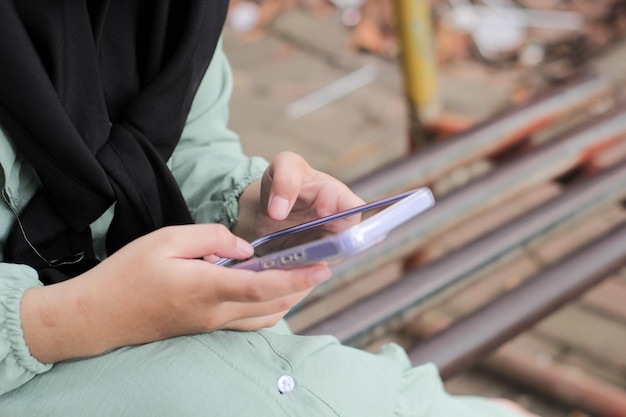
(286, 384)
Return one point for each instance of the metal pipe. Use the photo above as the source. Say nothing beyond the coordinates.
(494, 134)
(419, 68)
(470, 338)
(554, 159)
(363, 318)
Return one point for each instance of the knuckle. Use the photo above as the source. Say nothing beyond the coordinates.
(220, 233)
(211, 324)
(167, 234)
(283, 305)
(288, 185)
(215, 320)
(218, 230)
(303, 283)
(254, 292)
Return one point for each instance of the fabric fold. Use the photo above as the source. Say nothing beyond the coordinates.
(115, 81)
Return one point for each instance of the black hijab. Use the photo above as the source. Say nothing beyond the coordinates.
(95, 94)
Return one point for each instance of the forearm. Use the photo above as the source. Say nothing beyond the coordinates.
(59, 322)
(104, 308)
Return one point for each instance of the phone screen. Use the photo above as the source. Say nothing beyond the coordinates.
(305, 233)
(319, 228)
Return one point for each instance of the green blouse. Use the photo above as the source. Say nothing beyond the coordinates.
(263, 373)
(208, 164)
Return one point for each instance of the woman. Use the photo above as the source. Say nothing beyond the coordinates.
(120, 184)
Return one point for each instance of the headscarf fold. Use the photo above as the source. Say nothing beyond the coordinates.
(95, 95)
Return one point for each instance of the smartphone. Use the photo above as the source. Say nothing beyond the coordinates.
(308, 243)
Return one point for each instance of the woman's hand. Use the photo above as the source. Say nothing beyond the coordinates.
(514, 407)
(291, 193)
(158, 287)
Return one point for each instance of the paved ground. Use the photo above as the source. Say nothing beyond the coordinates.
(350, 136)
(345, 138)
(367, 128)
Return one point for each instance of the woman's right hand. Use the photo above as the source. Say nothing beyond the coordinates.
(158, 287)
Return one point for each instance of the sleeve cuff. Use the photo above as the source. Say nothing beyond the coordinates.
(224, 207)
(17, 365)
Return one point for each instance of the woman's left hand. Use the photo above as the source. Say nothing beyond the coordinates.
(291, 192)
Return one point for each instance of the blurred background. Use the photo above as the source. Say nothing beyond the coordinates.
(512, 112)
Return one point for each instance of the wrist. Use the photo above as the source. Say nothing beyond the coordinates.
(58, 323)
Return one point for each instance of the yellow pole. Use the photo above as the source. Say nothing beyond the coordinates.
(419, 67)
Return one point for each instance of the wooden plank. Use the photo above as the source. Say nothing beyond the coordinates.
(490, 219)
(566, 383)
(490, 282)
(608, 298)
(575, 233)
(621, 275)
(597, 367)
(590, 333)
(546, 349)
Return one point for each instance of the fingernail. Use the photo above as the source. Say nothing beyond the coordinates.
(320, 275)
(244, 247)
(279, 208)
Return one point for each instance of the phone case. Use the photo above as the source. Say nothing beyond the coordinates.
(352, 240)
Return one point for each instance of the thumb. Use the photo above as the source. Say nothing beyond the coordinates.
(204, 240)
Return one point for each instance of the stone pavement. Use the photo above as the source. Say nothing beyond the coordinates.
(350, 136)
(367, 128)
(345, 138)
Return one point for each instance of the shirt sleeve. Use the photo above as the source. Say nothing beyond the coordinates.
(209, 163)
(17, 365)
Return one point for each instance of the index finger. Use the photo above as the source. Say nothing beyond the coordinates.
(283, 180)
(256, 287)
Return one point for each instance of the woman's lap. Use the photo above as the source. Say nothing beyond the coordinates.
(242, 373)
